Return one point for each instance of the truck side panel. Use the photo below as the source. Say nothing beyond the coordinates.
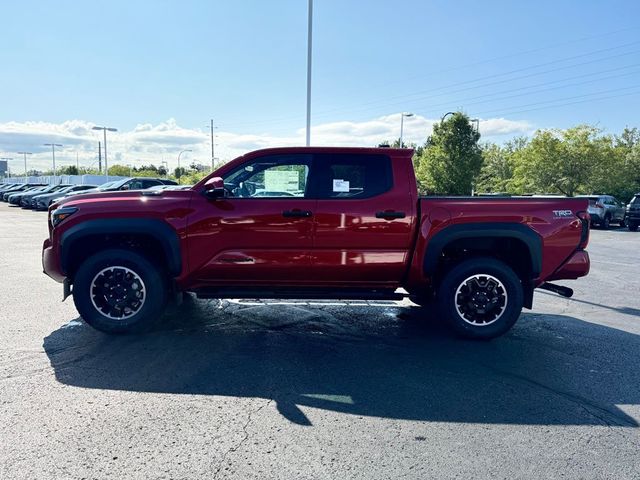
(552, 221)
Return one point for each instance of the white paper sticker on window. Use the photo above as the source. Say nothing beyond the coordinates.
(340, 185)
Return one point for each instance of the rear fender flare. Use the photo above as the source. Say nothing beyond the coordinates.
(518, 231)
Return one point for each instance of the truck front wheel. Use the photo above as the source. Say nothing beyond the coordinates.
(480, 298)
(119, 291)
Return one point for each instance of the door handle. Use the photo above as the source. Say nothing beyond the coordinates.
(390, 214)
(296, 213)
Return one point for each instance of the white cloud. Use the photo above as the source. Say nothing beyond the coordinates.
(147, 143)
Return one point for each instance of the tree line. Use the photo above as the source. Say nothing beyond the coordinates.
(578, 160)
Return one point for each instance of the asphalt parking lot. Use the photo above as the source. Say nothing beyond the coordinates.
(370, 390)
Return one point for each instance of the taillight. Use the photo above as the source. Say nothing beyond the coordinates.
(585, 219)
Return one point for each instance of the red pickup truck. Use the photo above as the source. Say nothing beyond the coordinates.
(343, 223)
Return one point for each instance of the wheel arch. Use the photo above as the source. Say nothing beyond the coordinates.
(516, 244)
(160, 240)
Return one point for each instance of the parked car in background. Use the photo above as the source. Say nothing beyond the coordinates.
(6, 186)
(136, 183)
(632, 214)
(13, 196)
(100, 188)
(27, 198)
(21, 187)
(42, 201)
(605, 210)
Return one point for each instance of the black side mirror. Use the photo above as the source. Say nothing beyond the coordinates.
(214, 188)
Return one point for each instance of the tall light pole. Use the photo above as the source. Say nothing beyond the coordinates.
(213, 157)
(181, 152)
(309, 50)
(402, 115)
(25, 161)
(53, 155)
(104, 130)
(446, 115)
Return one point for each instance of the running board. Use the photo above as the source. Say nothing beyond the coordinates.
(300, 293)
(563, 291)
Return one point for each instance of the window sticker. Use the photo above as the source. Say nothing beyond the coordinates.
(340, 185)
(281, 181)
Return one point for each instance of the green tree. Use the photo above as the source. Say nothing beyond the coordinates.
(498, 166)
(451, 158)
(563, 161)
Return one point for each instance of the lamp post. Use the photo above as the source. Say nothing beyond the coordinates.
(446, 115)
(25, 162)
(477, 122)
(309, 51)
(53, 155)
(402, 115)
(104, 130)
(179, 154)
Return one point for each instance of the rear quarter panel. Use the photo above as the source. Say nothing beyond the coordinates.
(560, 234)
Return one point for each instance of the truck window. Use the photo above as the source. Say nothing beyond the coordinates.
(351, 176)
(270, 177)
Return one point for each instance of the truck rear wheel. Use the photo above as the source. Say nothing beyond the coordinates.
(480, 298)
(119, 291)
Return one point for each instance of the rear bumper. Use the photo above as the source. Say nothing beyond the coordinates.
(576, 266)
(50, 262)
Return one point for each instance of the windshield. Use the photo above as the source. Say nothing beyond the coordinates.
(114, 185)
(635, 200)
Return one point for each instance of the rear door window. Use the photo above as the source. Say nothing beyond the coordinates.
(348, 176)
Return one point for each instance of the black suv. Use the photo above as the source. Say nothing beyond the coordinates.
(633, 213)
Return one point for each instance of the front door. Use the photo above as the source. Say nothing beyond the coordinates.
(260, 233)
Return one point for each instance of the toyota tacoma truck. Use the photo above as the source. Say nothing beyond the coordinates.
(307, 222)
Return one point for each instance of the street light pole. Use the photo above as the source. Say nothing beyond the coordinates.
(445, 116)
(213, 157)
(104, 130)
(25, 161)
(309, 51)
(179, 154)
(53, 155)
(402, 115)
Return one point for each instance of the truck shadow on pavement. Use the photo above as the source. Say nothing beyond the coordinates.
(377, 359)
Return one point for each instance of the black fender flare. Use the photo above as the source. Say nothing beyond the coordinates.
(157, 229)
(518, 231)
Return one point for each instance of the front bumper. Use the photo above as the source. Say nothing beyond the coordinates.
(576, 266)
(51, 262)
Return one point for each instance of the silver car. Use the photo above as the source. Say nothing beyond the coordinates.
(605, 210)
(43, 201)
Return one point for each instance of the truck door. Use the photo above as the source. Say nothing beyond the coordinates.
(261, 231)
(363, 222)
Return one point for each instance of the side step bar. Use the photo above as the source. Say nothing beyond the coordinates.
(300, 293)
(563, 291)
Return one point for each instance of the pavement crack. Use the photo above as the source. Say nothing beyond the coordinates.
(245, 437)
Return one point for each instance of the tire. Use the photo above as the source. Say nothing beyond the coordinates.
(495, 283)
(142, 291)
(632, 226)
(606, 223)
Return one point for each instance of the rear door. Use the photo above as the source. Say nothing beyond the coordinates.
(363, 222)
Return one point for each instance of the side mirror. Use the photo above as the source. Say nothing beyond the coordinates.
(125, 187)
(214, 188)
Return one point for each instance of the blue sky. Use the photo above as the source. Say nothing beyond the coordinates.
(159, 70)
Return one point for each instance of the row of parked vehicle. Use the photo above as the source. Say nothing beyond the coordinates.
(38, 196)
(606, 210)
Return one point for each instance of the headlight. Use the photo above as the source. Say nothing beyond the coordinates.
(60, 214)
